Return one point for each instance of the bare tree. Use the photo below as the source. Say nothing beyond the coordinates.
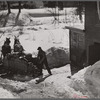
(8, 4)
(19, 6)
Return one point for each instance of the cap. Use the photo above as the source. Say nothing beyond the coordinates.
(38, 48)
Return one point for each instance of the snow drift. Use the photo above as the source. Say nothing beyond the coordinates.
(6, 94)
(64, 87)
(92, 78)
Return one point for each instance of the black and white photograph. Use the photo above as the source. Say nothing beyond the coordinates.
(49, 49)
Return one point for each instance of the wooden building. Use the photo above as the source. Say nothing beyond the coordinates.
(85, 44)
(92, 31)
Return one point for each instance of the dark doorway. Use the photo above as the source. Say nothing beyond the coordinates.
(77, 50)
(94, 53)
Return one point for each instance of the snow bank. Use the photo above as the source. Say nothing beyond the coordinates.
(64, 87)
(14, 87)
(78, 82)
(92, 78)
(6, 94)
(56, 85)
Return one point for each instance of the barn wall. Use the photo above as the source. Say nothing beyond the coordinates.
(92, 29)
(77, 48)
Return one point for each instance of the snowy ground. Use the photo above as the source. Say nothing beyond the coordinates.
(55, 86)
(34, 29)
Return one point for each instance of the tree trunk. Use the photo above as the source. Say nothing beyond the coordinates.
(8, 4)
(19, 6)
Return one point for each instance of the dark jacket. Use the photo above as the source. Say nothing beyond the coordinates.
(41, 56)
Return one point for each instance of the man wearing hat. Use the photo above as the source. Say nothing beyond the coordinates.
(42, 61)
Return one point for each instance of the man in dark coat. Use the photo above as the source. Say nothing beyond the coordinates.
(42, 61)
